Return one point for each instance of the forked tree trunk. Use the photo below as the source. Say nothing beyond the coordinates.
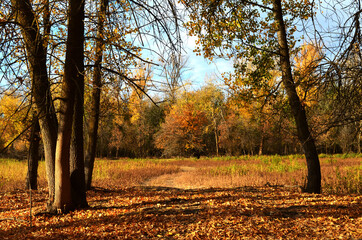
(314, 173)
(96, 95)
(40, 86)
(73, 78)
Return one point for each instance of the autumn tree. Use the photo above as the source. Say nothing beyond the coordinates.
(96, 94)
(136, 118)
(238, 132)
(210, 100)
(13, 122)
(258, 33)
(182, 132)
(338, 85)
(124, 29)
(40, 87)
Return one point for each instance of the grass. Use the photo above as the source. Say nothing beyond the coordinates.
(341, 174)
(13, 174)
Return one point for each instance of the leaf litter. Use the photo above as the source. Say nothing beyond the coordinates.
(145, 212)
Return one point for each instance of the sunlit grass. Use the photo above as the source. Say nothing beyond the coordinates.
(13, 174)
(129, 172)
(340, 173)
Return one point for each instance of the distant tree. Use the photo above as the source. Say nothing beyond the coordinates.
(13, 121)
(182, 132)
(210, 100)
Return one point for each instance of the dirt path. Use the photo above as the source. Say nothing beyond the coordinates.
(174, 180)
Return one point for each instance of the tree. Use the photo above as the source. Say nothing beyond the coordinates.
(33, 155)
(40, 86)
(64, 142)
(257, 33)
(238, 133)
(307, 78)
(96, 94)
(13, 122)
(129, 26)
(173, 70)
(72, 96)
(338, 85)
(182, 132)
(136, 119)
(210, 100)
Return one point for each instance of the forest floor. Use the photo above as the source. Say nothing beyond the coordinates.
(168, 207)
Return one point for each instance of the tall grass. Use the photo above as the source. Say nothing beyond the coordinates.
(340, 173)
(13, 174)
(129, 172)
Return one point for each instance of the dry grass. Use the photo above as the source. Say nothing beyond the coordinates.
(13, 174)
(340, 173)
(127, 173)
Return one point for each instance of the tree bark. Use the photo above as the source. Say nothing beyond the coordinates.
(96, 93)
(77, 176)
(40, 85)
(33, 156)
(314, 174)
(73, 76)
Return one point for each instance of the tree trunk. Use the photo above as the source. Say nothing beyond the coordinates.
(77, 176)
(73, 76)
(359, 133)
(215, 132)
(261, 144)
(33, 156)
(307, 141)
(40, 86)
(96, 93)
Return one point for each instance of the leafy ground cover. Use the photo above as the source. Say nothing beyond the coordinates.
(172, 199)
(269, 212)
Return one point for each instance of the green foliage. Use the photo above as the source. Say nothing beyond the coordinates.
(347, 181)
(232, 170)
(277, 163)
(246, 33)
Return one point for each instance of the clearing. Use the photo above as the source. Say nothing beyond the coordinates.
(168, 205)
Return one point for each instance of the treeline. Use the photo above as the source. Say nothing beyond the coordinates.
(210, 122)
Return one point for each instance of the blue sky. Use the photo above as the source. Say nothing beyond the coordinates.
(200, 68)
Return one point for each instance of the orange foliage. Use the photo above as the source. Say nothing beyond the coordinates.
(182, 131)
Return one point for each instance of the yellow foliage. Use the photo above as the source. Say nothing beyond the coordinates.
(306, 63)
(12, 117)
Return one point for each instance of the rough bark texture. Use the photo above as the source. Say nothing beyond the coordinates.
(314, 174)
(77, 176)
(96, 95)
(33, 155)
(73, 75)
(40, 84)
